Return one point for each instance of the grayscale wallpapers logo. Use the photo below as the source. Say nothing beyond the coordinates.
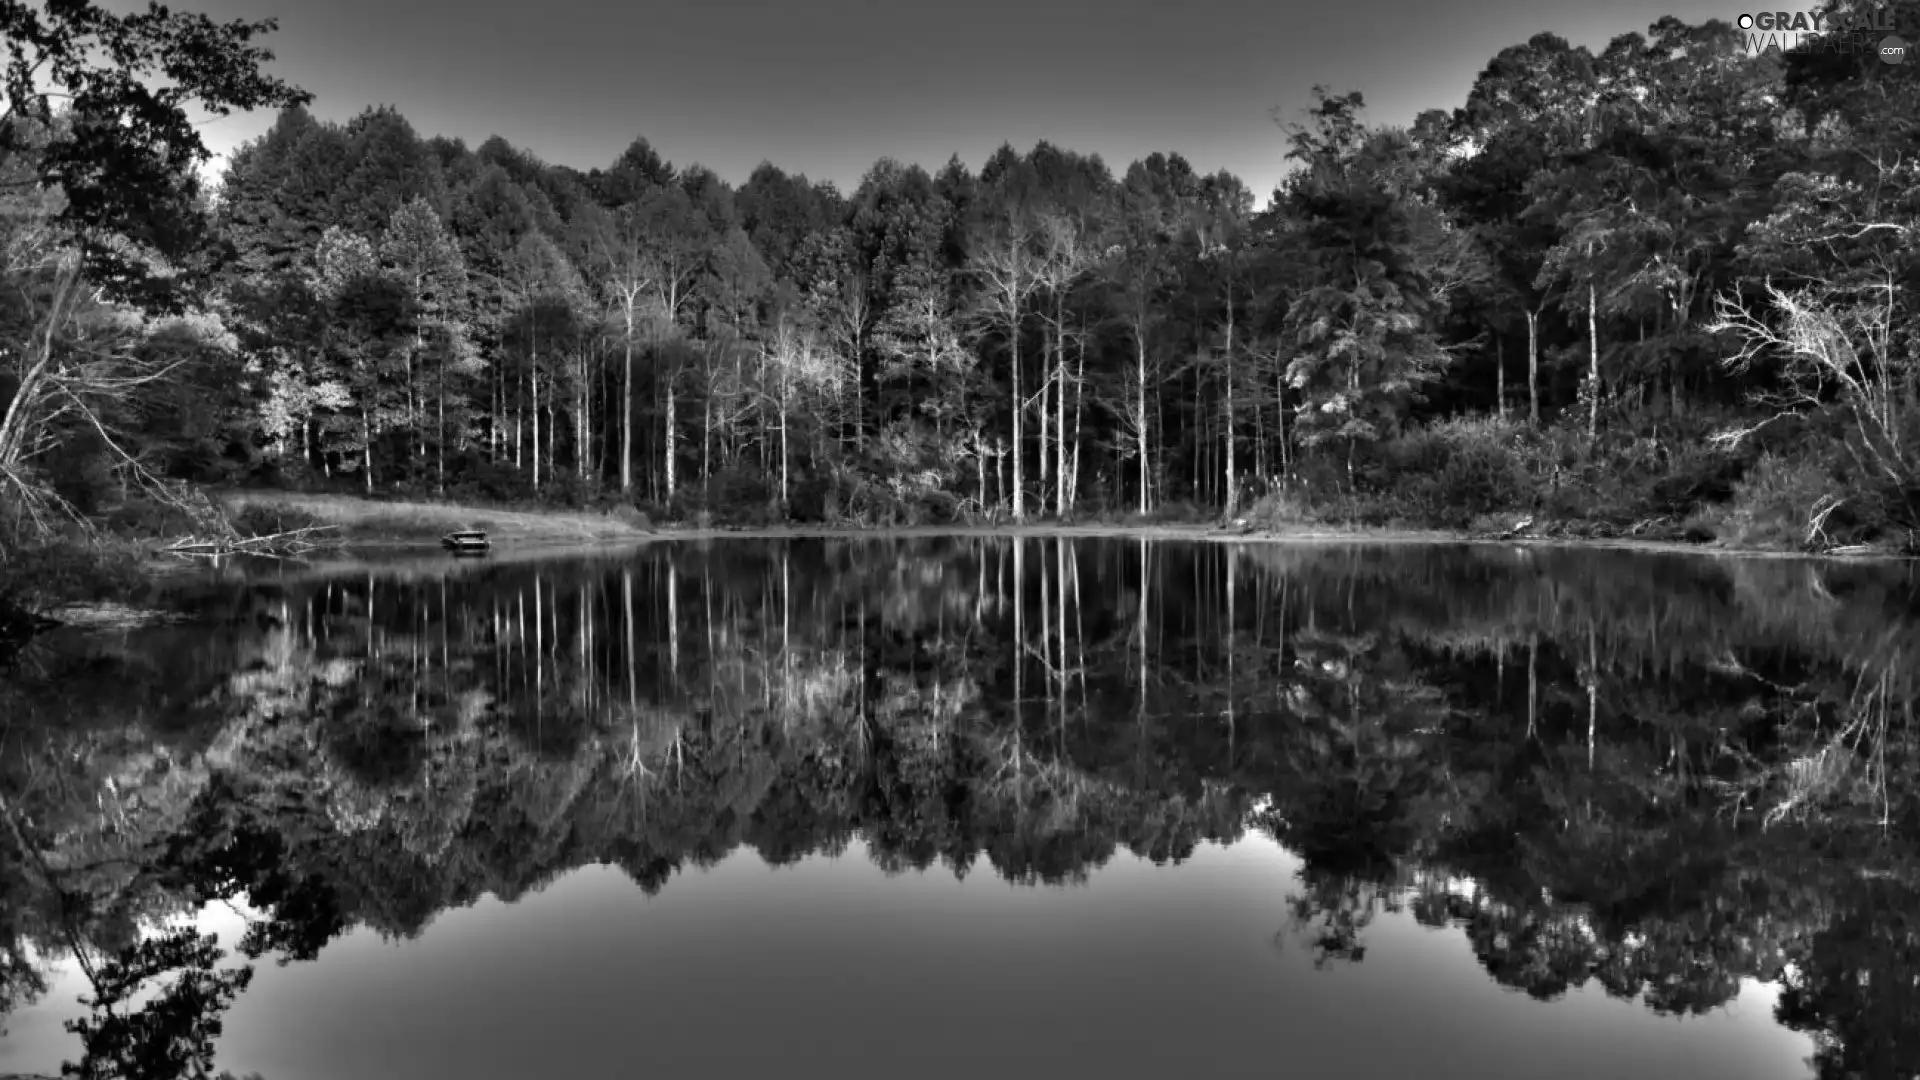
(1819, 31)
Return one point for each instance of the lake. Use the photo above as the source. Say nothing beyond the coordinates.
(976, 806)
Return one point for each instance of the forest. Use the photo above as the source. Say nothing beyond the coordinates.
(1663, 290)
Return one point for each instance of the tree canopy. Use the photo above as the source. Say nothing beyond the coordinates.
(1609, 291)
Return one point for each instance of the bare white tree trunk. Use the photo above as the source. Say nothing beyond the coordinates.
(1059, 425)
(626, 408)
(1233, 488)
(672, 440)
(1593, 366)
(1140, 414)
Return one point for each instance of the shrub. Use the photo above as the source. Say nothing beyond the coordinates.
(1704, 524)
(737, 495)
(1776, 504)
(567, 489)
(1177, 512)
(1279, 509)
(75, 568)
(1457, 471)
(1695, 473)
(473, 478)
(686, 505)
(859, 500)
(271, 473)
(632, 515)
(807, 500)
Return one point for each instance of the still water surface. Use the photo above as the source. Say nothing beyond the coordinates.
(1088, 807)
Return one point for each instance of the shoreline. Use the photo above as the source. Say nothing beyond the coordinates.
(1301, 535)
(425, 558)
(375, 530)
(561, 542)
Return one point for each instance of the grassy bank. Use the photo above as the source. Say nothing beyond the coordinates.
(384, 533)
(118, 565)
(371, 525)
(366, 523)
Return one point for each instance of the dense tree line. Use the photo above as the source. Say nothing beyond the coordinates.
(1623, 287)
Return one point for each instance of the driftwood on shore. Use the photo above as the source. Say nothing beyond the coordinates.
(466, 542)
(291, 542)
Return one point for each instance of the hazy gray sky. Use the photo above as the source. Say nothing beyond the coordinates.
(825, 87)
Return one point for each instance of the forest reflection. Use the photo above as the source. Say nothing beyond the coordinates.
(1658, 773)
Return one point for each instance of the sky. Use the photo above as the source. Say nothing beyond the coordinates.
(827, 87)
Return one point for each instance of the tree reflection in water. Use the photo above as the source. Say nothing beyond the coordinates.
(1569, 755)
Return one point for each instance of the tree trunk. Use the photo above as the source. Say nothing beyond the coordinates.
(1500, 375)
(17, 420)
(1197, 468)
(859, 387)
(1233, 488)
(1013, 337)
(1059, 406)
(1045, 416)
(1593, 368)
(415, 412)
(669, 451)
(1079, 416)
(1060, 433)
(980, 466)
(1280, 420)
(1001, 474)
(580, 410)
(589, 366)
(626, 411)
(1140, 408)
(1533, 367)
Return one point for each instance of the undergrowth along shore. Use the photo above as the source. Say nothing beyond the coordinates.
(119, 560)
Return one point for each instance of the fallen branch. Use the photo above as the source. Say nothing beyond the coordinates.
(291, 542)
(1817, 520)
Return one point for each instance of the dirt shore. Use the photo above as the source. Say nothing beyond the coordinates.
(374, 531)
